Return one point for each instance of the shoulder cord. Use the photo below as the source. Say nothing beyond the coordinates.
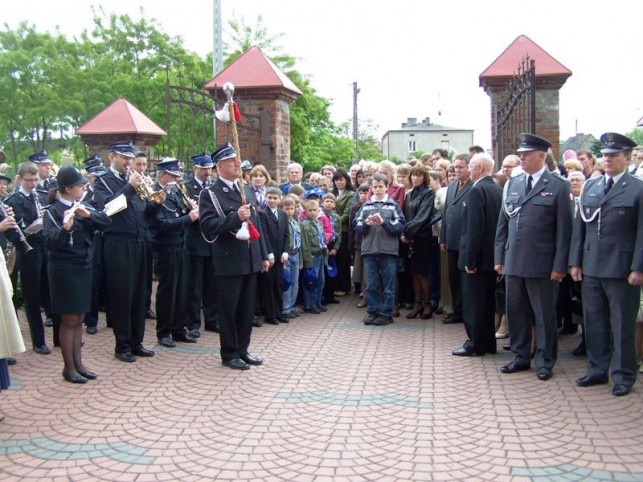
(217, 208)
(589, 219)
(509, 213)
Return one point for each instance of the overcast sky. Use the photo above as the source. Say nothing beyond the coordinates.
(415, 58)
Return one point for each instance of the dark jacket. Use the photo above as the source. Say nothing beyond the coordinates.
(419, 212)
(452, 217)
(24, 212)
(194, 242)
(167, 228)
(276, 232)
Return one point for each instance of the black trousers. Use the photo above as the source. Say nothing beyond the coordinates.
(343, 280)
(236, 312)
(203, 293)
(434, 271)
(149, 274)
(478, 303)
(32, 266)
(272, 302)
(171, 292)
(125, 262)
(91, 317)
(455, 283)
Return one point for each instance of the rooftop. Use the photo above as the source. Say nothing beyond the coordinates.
(120, 117)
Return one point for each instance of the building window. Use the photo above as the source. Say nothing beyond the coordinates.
(412, 146)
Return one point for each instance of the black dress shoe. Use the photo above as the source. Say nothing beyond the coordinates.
(236, 364)
(568, 330)
(453, 320)
(150, 315)
(272, 321)
(289, 316)
(144, 352)
(580, 350)
(126, 356)
(195, 333)
(619, 390)
(256, 323)
(250, 360)
(48, 323)
(183, 338)
(506, 347)
(73, 378)
(515, 366)
(283, 320)
(543, 373)
(382, 320)
(314, 311)
(91, 330)
(88, 375)
(166, 341)
(42, 350)
(463, 352)
(214, 328)
(11, 361)
(591, 380)
(322, 309)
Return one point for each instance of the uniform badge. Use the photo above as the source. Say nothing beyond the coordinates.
(225, 189)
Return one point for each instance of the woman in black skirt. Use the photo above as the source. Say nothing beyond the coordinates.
(68, 231)
(420, 213)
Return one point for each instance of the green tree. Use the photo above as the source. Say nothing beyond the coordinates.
(636, 135)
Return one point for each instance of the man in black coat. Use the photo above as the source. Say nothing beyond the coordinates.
(452, 219)
(237, 261)
(480, 217)
(203, 292)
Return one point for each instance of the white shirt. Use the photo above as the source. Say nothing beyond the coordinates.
(535, 177)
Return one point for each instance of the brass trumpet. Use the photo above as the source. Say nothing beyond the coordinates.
(145, 188)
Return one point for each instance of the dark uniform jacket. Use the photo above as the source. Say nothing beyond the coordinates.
(232, 257)
(535, 241)
(24, 212)
(618, 248)
(480, 212)
(131, 221)
(73, 248)
(194, 242)
(452, 218)
(167, 228)
(276, 232)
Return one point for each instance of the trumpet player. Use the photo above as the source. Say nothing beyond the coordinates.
(124, 252)
(27, 204)
(168, 233)
(200, 262)
(68, 232)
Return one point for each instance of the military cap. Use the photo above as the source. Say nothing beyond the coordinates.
(93, 161)
(530, 142)
(5, 177)
(226, 151)
(40, 157)
(202, 160)
(125, 148)
(246, 166)
(612, 142)
(169, 165)
(96, 171)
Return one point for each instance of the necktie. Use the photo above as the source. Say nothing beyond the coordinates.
(529, 186)
(235, 186)
(296, 239)
(610, 184)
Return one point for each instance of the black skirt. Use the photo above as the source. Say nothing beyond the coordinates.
(70, 289)
(419, 256)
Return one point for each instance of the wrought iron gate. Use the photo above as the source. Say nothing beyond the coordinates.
(517, 111)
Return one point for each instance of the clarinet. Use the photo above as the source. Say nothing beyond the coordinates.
(21, 236)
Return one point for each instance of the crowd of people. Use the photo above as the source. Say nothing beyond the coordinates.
(527, 252)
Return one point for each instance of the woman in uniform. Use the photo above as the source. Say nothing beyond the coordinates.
(68, 231)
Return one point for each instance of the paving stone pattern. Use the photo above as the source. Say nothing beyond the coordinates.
(335, 400)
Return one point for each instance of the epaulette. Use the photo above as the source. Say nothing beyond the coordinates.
(42, 191)
(10, 196)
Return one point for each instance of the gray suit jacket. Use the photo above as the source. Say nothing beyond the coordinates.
(452, 218)
(535, 242)
(618, 248)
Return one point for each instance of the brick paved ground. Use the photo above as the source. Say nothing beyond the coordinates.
(335, 400)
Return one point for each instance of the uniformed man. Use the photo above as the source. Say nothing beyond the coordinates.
(203, 292)
(532, 250)
(237, 261)
(124, 252)
(46, 182)
(607, 255)
(167, 231)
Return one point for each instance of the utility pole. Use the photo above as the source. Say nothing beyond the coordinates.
(355, 136)
(217, 54)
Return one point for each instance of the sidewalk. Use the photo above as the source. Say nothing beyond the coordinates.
(335, 400)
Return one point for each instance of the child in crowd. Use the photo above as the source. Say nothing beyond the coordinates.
(355, 243)
(316, 194)
(293, 264)
(328, 206)
(381, 222)
(314, 255)
(274, 222)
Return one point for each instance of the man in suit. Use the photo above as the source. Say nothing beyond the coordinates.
(124, 252)
(480, 217)
(452, 219)
(295, 174)
(532, 250)
(237, 261)
(607, 255)
(203, 292)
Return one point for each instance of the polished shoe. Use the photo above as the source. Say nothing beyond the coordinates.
(255, 322)
(42, 350)
(568, 330)
(150, 315)
(283, 320)
(619, 390)
(501, 336)
(507, 346)
(272, 321)
(74, 378)
(167, 342)
(88, 375)
(591, 380)
(515, 366)
(236, 363)
(194, 333)
(48, 323)
(11, 361)
(369, 318)
(464, 352)
(144, 352)
(452, 320)
(543, 373)
(322, 309)
(125, 356)
(417, 310)
(91, 330)
(580, 350)
(214, 328)
(250, 360)
(289, 316)
(382, 320)
(183, 337)
(427, 312)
